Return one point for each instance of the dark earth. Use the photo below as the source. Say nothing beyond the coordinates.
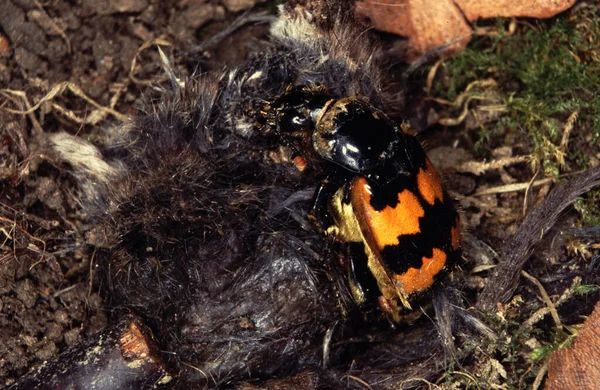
(48, 302)
(103, 56)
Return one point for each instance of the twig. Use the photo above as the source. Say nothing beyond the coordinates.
(540, 376)
(160, 41)
(564, 142)
(55, 26)
(464, 96)
(545, 298)
(478, 168)
(55, 91)
(527, 191)
(541, 313)
(512, 187)
(20, 94)
(504, 279)
(431, 76)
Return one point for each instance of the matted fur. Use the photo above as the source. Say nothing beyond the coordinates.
(207, 236)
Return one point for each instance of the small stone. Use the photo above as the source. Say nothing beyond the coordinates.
(444, 158)
(46, 351)
(54, 332)
(72, 337)
(198, 15)
(240, 5)
(29, 340)
(195, 16)
(26, 292)
(42, 20)
(128, 5)
(30, 61)
(109, 7)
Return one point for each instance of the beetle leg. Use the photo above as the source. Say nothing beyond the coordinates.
(363, 285)
(320, 209)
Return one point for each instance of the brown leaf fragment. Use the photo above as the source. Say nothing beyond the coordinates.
(430, 24)
(473, 9)
(386, 15)
(427, 23)
(436, 23)
(578, 366)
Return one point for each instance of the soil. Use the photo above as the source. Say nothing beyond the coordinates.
(47, 300)
(106, 50)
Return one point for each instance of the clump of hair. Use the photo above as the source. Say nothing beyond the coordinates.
(205, 234)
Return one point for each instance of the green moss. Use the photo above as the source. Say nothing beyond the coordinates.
(586, 289)
(562, 339)
(588, 207)
(544, 72)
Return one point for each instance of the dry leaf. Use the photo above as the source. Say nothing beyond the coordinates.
(430, 24)
(509, 8)
(578, 366)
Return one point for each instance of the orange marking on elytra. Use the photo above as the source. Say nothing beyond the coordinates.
(430, 184)
(420, 279)
(455, 234)
(385, 226)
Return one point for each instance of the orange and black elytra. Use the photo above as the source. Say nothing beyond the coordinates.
(381, 197)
